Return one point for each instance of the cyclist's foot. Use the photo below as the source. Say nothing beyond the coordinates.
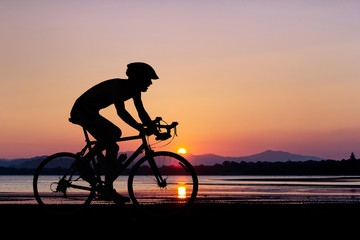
(119, 199)
(108, 194)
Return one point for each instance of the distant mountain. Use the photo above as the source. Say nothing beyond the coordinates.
(30, 163)
(267, 156)
(22, 162)
(206, 159)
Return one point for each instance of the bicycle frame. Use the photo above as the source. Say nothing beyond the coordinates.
(143, 147)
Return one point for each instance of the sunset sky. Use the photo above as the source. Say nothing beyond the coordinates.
(240, 77)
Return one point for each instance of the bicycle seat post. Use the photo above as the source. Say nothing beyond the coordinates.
(87, 139)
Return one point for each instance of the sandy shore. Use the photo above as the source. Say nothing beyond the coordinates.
(252, 215)
(204, 218)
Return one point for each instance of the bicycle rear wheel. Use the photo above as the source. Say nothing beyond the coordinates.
(177, 192)
(57, 184)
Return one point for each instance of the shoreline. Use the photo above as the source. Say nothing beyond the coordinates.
(27, 198)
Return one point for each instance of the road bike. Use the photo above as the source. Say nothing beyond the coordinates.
(160, 182)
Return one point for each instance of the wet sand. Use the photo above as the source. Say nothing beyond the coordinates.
(204, 218)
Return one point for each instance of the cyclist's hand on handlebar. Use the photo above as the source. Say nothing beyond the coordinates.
(149, 129)
(157, 120)
(153, 128)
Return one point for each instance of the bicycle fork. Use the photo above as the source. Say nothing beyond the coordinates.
(159, 179)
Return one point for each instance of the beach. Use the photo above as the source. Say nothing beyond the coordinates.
(225, 204)
(216, 214)
(202, 219)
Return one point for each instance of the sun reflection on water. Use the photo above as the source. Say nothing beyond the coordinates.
(181, 192)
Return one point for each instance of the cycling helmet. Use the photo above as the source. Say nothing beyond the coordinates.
(139, 69)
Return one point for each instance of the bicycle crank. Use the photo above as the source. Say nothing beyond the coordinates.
(61, 187)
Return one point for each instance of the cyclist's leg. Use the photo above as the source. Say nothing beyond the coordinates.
(85, 171)
(106, 134)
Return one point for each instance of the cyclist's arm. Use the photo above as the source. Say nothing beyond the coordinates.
(143, 115)
(125, 116)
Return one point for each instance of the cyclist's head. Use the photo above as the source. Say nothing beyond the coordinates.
(139, 70)
(141, 74)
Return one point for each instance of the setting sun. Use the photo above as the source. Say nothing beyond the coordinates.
(182, 150)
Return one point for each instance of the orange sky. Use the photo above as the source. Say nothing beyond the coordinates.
(241, 77)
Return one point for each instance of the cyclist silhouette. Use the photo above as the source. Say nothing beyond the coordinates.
(85, 112)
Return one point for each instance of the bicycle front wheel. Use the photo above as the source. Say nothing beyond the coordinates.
(57, 185)
(176, 192)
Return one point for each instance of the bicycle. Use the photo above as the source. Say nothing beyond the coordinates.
(161, 182)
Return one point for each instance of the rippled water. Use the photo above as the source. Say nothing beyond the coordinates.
(282, 188)
(293, 189)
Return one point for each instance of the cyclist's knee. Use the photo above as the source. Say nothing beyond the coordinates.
(113, 147)
(111, 137)
(118, 133)
(108, 144)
